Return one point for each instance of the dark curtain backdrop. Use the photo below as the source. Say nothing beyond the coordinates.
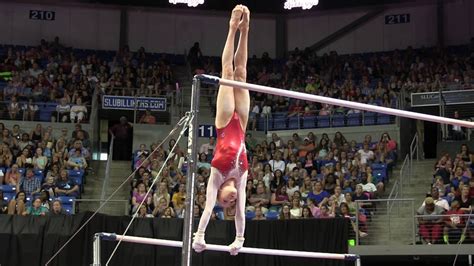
(31, 241)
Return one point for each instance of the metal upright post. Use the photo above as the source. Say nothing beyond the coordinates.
(186, 252)
(96, 250)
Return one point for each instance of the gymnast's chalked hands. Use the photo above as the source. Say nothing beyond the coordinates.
(199, 244)
(236, 245)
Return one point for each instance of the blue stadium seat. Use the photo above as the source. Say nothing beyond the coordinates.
(76, 173)
(39, 172)
(249, 215)
(68, 209)
(380, 174)
(369, 118)
(353, 119)
(338, 121)
(309, 121)
(294, 122)
(383, 119)
(69, 201)
(9, 192)
(272, 215)
(323, 121)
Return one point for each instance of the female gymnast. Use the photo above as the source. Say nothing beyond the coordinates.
(228, 175)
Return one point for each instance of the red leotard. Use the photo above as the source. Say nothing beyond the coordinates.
(230, 140)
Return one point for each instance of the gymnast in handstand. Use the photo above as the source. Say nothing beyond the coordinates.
(228, 175)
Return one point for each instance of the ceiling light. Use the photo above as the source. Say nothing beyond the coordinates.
(304, 4)
(190, 3)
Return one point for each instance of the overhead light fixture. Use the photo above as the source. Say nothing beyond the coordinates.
(304, 4)
(190, 3)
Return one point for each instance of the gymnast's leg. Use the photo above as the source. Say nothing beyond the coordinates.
(225, 105)
(242, 98)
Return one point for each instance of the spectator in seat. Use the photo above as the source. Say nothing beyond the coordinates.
(78, 111)
(285, 212)
(56, 208)
(24, 159)
(37, 134)
(168, 213)
(78, 147)
(13, 176)
(466, 202)
(77, 129)
(306, 213)
(39, 160)
(259, 214)
(66, 186)
(296, 109)
(318, 195)
(296, 210)
(139, 196)
(208, 148)
(179, 198)
(3, 204)
(160, 207)
(440, 202)
(17, 205)
(62, 112)
(454, 224)
(36, 209)
(267, 109)
(366, 155)
(24, 142)
(29, 184)
(77, 161)
(277, 163)
(147, 118)
(144, 211)
(431, 225)
(161, 193)
(279, 198)
(254, 114)
(260, 199)
(49, 185)
(13, 108)
(29, 110)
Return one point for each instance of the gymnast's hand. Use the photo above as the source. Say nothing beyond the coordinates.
(199, 243)
(236, 245)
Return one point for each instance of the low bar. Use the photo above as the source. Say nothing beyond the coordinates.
(321, 99)
(246, 250)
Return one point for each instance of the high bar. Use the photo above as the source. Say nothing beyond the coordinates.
(246, 250)
(208, 79)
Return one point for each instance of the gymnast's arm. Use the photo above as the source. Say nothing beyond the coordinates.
(199, 243)
(239, 217)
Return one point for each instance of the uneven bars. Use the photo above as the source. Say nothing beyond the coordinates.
(208, 79)
(246, 250)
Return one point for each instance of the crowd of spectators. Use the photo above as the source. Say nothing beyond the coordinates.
(303, 177)
(444, 214)
(37, 166)
(67, 78)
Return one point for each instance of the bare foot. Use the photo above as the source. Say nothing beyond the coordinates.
(235, 17)
(245, 21)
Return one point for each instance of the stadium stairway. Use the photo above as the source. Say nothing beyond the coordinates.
(119, 170)
(394, 225)
(206, 115)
